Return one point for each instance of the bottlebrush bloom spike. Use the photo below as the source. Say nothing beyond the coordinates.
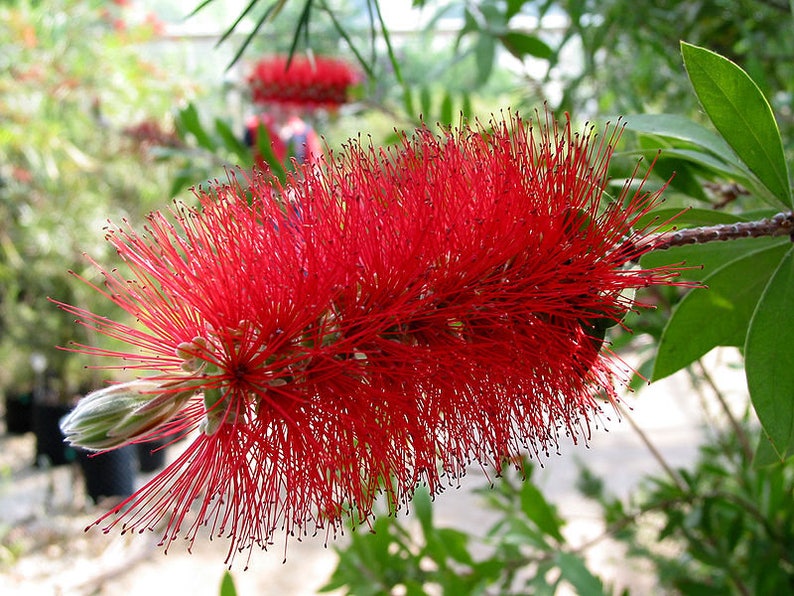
(316, 82)
(381, 321)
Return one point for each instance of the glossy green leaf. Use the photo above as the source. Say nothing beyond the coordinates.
(188, 121)
(688, 218)
(537, 509)
(513, 8)
(742, 115)
(227, 585)
(682, 129)
(425, 103)
(727, 168)
(423, 508)
(767, 455)
(682, 176)
(233, 144)
(522, 45)
(575, 572)
(485, 54)
(769, 357)
(446, 110)
(717, 315)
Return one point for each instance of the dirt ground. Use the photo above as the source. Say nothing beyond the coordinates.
(45, 551)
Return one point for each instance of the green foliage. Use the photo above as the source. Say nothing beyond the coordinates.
(742, 115)
(770, 358)
(719, 313)
(207, 152)
(227, 585)
(523, 552)
(721, 527)
(488, 24)
(68, 163)
(630, 51)
(746, 284)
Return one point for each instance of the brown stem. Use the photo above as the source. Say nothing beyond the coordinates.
(747, 451)
(781, 224)
(657, 455)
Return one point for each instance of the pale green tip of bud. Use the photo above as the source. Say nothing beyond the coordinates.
(116, 415)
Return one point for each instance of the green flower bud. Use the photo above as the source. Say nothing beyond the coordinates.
(116, 415)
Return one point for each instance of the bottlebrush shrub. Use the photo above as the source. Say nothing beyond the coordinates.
(318, 82)
(380, 321)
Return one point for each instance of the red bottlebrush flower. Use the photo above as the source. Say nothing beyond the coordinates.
(319, 82)
(405, 313)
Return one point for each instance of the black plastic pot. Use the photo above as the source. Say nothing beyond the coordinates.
(51, 450)
(109, 474)
(151, 455)
(19, 412)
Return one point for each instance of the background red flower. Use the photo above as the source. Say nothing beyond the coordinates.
(302, 81)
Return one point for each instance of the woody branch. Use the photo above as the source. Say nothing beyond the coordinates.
(781, 224)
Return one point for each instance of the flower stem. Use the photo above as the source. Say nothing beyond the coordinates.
(781, 224)
(746, 449)
(657, 455)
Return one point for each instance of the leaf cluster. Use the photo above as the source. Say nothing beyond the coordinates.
(66, 165)
(523, 552)
(720, 527)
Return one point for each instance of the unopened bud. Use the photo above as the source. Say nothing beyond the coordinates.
(118, 414)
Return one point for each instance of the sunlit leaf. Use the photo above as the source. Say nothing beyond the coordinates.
(742, 115)
(683, 129)
(717, 315)
(227, 585)
(522, 45)
(575, 572)
(769, 357)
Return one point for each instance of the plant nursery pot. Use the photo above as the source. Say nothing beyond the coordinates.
(19, 412)
(51, 450)
(151, 455)
(109, 474)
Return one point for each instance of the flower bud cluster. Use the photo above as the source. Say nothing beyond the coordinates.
(120, 414)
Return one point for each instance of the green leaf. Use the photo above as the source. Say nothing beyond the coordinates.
(467, 108)
(265, 148)
(233, 144)
(734, 171)
(425, 102)
(523, 44)
(470, 25)
(767, 455)
(682, 176)
(424, 510)
(769, 357)
(742, 115)
(227, 585)
(485, 53)
(682, 129)
(689, 218)
(446, 110)
(513, 8)
(717, 315)
(456, 545)
(189, 122)
(574, 571)
(537, 509)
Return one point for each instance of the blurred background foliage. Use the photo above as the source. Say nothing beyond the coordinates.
(110, 109)
(75, 96)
